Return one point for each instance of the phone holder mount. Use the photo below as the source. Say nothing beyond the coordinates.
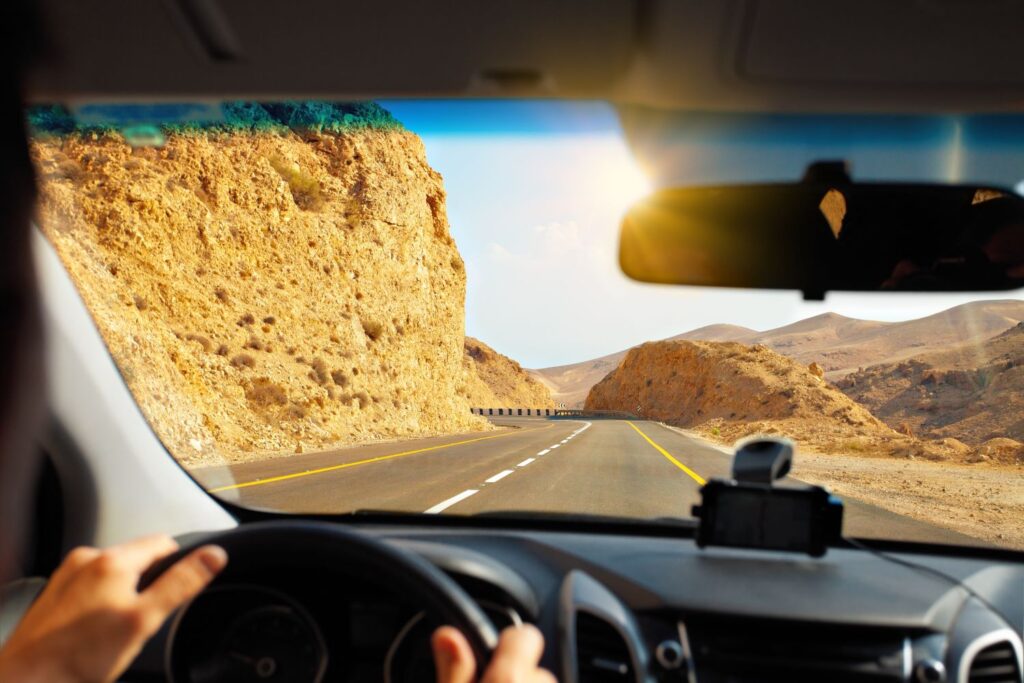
(750, 511)
(762, 461)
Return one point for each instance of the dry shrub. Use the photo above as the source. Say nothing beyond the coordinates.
(319, 374)
(243, 360)
(264, 392)
(201, 340)
(373, 329)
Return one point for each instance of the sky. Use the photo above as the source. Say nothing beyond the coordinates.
(536, 191)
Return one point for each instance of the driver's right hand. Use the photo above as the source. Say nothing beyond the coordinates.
(516, 659)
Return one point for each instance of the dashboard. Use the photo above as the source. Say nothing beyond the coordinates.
(618, 608)
(309, 629)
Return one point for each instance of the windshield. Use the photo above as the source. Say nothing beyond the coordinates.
(416, 307)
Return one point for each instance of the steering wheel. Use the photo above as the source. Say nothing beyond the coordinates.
(304, 544)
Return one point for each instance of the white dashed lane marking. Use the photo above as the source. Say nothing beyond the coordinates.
(499, 476)
(451, 501)
(444, 505)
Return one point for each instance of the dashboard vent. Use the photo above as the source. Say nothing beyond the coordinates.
(602, 656)
(996, 663)
(772, 651)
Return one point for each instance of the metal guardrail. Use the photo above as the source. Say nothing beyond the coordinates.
(514, 412)
(554, 412)
(596, 414)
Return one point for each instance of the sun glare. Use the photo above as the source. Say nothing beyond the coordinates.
(621, 181)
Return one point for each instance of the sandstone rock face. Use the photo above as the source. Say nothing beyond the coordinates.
(729, 390)
(973, 392)
(498, 381)
(570, 384)
(1001, 449)
(270, 289)
(836, 344)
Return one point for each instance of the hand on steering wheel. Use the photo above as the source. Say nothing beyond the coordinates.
(515, 659)
(95, 613)
(91, 620)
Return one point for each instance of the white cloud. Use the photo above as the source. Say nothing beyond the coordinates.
(498, 252)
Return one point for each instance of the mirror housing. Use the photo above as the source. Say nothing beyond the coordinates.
(826, 234)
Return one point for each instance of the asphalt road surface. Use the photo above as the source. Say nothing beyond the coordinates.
(601, 467)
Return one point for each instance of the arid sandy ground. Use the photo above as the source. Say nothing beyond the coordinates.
(985, 501)
(982, 500)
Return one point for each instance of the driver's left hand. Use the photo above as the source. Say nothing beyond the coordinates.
(91, 620)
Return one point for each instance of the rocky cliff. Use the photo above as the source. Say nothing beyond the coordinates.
(729, 390)
(973, 392)
(835, 343)
(282, 281)
(498, 381)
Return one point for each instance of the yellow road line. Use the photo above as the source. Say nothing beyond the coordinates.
(693, 475)
(379, 458)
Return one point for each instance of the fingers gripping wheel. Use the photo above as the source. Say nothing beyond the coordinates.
(302, 545)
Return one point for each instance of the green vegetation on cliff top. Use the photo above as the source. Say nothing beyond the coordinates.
(309, 115)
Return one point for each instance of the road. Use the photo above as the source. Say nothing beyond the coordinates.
(602, 467)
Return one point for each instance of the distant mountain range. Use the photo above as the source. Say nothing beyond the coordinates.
(838, 344)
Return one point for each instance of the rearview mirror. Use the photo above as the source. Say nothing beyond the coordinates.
(821, 236)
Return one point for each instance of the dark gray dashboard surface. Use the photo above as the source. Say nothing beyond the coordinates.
(845, 587)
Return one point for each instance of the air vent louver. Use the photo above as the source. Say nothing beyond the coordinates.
(602, 655)
(779, 652)
(996, 663)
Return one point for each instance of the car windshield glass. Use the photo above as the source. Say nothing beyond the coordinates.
(416, 307)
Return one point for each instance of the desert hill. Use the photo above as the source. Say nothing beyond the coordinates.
(571, 383)
(837, 343)
(720, 332)
(729, 390)
(973, 392)
(498, 381)
(282, 281)
(842, 345)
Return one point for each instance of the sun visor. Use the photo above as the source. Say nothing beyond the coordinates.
(923, 44)
(829, 56)
(311, 48)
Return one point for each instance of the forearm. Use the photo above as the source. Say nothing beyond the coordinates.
(23, 665)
